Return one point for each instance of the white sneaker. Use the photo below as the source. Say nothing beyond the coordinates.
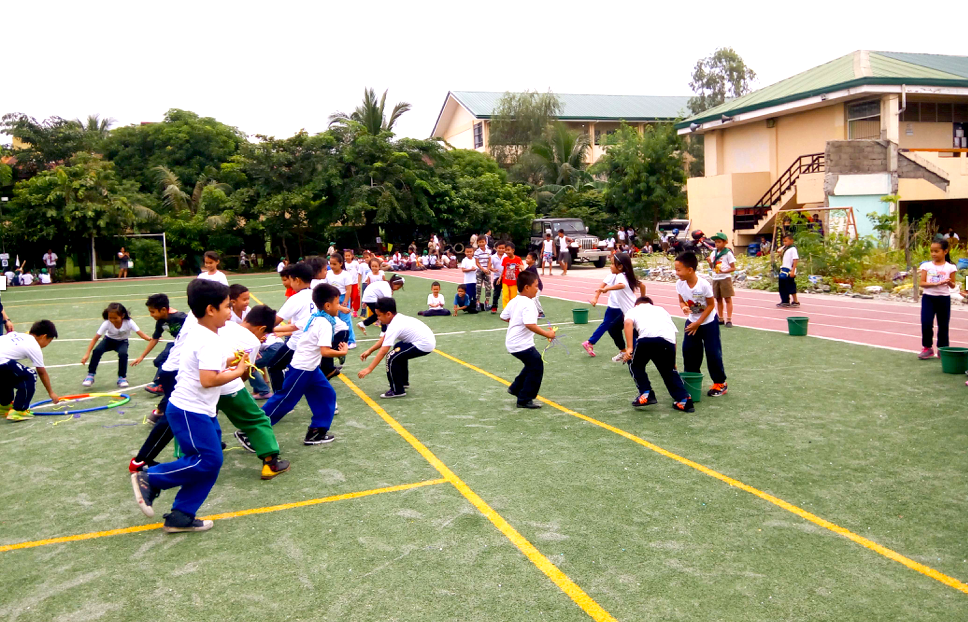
(618, 358)
(351, 346)
(361, 326)
(88, 381)
(123, 383)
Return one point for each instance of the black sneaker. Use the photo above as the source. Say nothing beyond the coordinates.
(244, 441)
(155, 416)
(783, 305)
(717, 390)
(144, 493)
(179, 522)
(684, 406)
(318, 436)
(795, 305)
(529, 404)
(646, 399)
(334, 372)
(272, 466)
(390, 394)
(510, 392)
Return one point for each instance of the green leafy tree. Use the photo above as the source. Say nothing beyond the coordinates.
(645, 174)
(186, 144)
(719, 77)
(45, 144)
(519, 121)
(562, 154)
(372, 114)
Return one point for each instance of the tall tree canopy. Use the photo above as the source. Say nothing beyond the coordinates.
(520, 120)
(371, 114)
(44, 144)
(719, 77)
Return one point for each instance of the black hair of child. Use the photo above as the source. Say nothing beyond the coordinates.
(643, 299)
(43, 328)
(625, 262)
(158, 301)
(213, 256)
(461, 287)
(323, 294)
(285, 272)
(339, 257)
(261, 315)
(688, 260)
(509, 244)
(318, 265)
(203, 294)
(301, 271)
(525, 279)
(437, 284)
(236, 290)
(943, 243)
(533, 255)
(394, 279)
(118, 308)
(386, 304)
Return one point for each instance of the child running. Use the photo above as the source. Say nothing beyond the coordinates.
(238, 302)
(166, 318)
(17, 382)
(789, 258)
(522, 317)
(297, 310)
(304, 377)
(211, 271)
(511, 267)
(115, 329)
(936, 279)
(469, 268)
(657, 343)
(192, 415)
(622, 288)
(436, 303)
(352, 266)
(723, 264)
(379, 289)
(411, 339)
(702, 329)
(343, 280)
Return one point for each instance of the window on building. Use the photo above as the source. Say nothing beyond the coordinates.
(864, 120)
(478, 135)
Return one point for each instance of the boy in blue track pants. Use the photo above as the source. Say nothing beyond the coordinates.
(304, 378)
(191, 413)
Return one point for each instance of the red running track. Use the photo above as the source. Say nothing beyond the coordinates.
(868, 322)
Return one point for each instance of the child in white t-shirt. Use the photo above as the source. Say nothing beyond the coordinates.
(469, 268)
(787, 281)
(521, 314)
(343, 280)
(115, 329)
(17, 381)
(547, 253)
(352, 266)
(722, 263)
(937, 280)
(436, 302)
(702, 329)
(622, 287)
(656, 342)
(377, 290)
(211, 271)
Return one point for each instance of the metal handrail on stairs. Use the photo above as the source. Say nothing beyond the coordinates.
(811, 163)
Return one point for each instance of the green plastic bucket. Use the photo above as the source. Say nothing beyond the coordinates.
(954, 360)
(693, 382)
(797, 326)
(580, 316)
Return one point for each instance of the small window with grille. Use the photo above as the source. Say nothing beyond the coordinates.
(478, 135)
(864, 120)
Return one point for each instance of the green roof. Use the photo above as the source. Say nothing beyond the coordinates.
(847, 72)
(481, 104)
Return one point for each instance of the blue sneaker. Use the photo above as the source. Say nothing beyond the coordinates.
(88, 381)
(123, 383)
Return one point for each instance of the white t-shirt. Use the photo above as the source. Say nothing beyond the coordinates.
(307, 356)
(562, 243)
(174, 355)
(404, 328)
(726, 261)
(547, 246)
(373, 277)
(520, 312)
(353, 267)
(51, 259)
(947, 236)
(280, 266)
(296, 311)
(469, 267)
(235, 338)
(697, 298)
(237, 319)
(496, 264)
(45, 279)
(364, 271)
(377, 289)
(218, 277)
(937, 274)
(624, 298)
(436, 302)
(397, 259)
(413, 258)
(26, 278)
(652, 321)
(621, 235)
(107, 329)
(789, 254)
(342, 281)
(610, 243)
(204, 351)
(20, 346)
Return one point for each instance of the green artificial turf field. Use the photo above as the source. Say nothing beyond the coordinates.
(870, 440)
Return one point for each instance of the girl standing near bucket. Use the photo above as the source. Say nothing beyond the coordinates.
(936, 278)
(623, 289)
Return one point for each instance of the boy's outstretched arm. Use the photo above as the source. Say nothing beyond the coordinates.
(45, 379)
(151, 345)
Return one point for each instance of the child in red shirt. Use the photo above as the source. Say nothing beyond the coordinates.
(511, 267)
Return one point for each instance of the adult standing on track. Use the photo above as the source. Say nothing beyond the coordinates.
(50, 260)
(564, 256)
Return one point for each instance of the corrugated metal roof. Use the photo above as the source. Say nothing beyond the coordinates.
(481, 104)
(843, 72)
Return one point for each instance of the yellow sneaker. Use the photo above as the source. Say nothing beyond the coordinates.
(5, 408)
(19, 415)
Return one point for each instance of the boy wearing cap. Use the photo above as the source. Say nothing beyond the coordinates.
(722, 263)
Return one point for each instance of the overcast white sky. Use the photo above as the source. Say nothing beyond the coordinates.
(275, 67)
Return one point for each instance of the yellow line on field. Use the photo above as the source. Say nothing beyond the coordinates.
(263, 510)
(813, 518)
(559, 578)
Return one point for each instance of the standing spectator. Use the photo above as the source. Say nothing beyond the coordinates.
(630, 236)
(490, 240)
(50, 260)
(282, 265)
(621, 236)
(564, 255)
(124, 259)
(243, 261)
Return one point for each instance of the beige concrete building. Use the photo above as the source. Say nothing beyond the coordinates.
(843, 134)
(465, 117)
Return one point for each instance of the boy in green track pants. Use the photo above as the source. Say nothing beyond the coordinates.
(235, 402)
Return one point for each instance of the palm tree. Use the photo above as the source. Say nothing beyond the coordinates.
(179, 200)
(371, 115)
(562, 153)
(96, 125)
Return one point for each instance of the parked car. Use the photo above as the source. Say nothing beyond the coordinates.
(585, 247)
(666, 227)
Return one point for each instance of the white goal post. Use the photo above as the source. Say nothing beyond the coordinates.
(164, 249)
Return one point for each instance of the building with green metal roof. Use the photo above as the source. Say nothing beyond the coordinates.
(840, 135)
